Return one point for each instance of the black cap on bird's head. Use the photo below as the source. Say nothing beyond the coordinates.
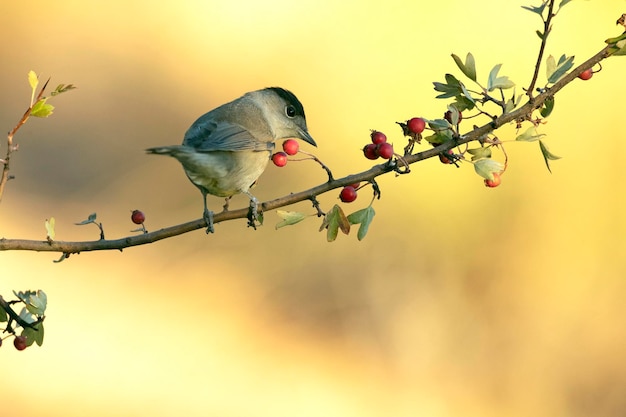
(294, 109)
(290, 98)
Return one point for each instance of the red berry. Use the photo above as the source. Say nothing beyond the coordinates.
(291, 146)
(279, 159)
(416, 125)
(444, 159)
(348, 194)
(19, 342)
(586, 74)
(378, 137)
(370, 151)
(355, 185)
(137, 217)
(448, 116)
(494, 182)
(384, 150)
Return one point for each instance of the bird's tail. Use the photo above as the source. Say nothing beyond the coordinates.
(167, 150)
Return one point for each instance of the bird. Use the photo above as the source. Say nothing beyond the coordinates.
(226, 150)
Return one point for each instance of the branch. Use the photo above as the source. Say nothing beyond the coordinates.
(544, 40)
(521, 114)
(13, 316)
(10, 147)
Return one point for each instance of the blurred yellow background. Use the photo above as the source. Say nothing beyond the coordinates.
(462, 300)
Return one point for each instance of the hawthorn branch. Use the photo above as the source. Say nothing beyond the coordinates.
(521, 114)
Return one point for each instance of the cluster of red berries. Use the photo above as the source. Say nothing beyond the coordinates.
(290, 147)
(19, 342)
(379, 148)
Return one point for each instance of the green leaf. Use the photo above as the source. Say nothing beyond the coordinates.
(439, 124)
(62, 88)
(547, 107)
(34, 334)
(467, 94)
(363, 217)
(462, 103)
(563, 3)
(23, 295)
(494, 81)
(289, 218)
(509, 106)
(540, 34)
(27, 316)
(443, 131)
(41, 108)
(547, 155)
(550, 66)
(536, 9)
(33, 80)
(451, 88)
(560, 69)
(334, 221)
(3, 315)
(469, 67)
(50, 228)
(90, 219)
(530, 135)
(486, 167)
(36, 303)
(479, 153)
(616, 39)
(620, 48)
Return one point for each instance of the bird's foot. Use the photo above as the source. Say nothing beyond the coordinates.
(208, 218)
(253, 214)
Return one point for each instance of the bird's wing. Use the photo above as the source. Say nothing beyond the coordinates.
(209, 135)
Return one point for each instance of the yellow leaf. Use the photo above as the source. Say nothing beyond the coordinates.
(33, 80)
(50, 228)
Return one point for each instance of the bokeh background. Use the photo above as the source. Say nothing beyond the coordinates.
(462, 300)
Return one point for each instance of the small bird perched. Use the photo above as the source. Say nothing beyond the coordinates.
(226, 150)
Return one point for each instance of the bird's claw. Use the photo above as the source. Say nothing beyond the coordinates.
(253, 213)
(208, 218)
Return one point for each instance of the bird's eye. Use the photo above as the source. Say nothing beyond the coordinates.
(290, 111)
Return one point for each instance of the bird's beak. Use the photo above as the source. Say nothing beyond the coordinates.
(306, 136)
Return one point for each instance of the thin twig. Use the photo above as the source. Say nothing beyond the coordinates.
(544, 40)
(10, 147)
